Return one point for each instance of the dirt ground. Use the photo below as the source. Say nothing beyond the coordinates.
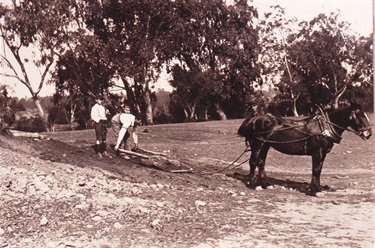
(54, 192)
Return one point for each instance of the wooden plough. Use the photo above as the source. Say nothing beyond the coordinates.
(158, 160)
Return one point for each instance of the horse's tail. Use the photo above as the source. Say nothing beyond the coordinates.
(253, 127)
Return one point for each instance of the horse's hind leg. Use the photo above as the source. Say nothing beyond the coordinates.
(261, 163)
(258, 159)
(253, 165)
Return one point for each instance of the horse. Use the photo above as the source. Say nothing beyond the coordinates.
(312, 135)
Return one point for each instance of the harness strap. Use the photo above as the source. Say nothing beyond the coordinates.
(327, 128)
(286, 142)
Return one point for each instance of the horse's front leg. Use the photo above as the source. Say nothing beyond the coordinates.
(317, 166)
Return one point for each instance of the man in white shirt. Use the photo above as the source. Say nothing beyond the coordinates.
(99, 116)
(125, 125)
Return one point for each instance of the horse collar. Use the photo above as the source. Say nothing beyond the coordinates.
(327, 128)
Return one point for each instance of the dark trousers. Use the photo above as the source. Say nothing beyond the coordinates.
(101, 130)
(101, 136)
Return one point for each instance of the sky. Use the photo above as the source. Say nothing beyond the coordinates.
(359, 13)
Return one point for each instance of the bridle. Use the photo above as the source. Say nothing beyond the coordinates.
(353, 117)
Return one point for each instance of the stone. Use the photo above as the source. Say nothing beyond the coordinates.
(320, 194)
(199, 203)
(259, 188)
(117, 225)
(44, 221)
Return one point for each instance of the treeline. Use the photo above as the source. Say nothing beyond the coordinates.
(225, 60)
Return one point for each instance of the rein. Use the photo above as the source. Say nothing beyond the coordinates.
(347, 129)
(227, 167)
(343, 128)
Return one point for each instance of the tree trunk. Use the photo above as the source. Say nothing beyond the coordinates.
(220, 112)
(338, 92)
(190, 112)
(205, 117)
(148, 105)
(72, 112)
(295, 111)
(41, 112)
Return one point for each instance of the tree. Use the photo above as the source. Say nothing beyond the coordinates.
(7, 116)
(83, 73)
(161, 107)
(218, 43)
(312, 62)
(136, 33)
(275, 61)
(330, 59)
(195, 91)
(39, 25)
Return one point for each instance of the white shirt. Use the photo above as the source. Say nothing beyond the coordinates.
(98, 112)
(127, 120)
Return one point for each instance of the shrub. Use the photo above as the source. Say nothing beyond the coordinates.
(33, 124)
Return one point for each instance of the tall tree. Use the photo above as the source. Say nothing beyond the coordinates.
(219, 42)
(37, 25)
(330, 57)
(274, 60)
(137, 33)
(83, 73)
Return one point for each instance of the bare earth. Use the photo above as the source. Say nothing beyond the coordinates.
(55, 193)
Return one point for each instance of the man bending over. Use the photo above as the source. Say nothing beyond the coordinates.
(125, 126)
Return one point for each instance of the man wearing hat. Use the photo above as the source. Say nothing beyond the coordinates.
(125, 126)
(99, 116)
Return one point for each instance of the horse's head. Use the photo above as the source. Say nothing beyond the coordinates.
(360, 122)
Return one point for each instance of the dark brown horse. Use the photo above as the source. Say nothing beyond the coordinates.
(314, 135)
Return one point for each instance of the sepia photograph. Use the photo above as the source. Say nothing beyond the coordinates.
(187, 124)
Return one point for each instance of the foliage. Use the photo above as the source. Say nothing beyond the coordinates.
(39, 25)
(7, 116)
(218, 57)
(317, 62)
(223, 63)
(16, 105)
(136, 34)
(56, 115)
(161, 111)
(79, 76)
(34, 124)
(84, 72)
(327, 62)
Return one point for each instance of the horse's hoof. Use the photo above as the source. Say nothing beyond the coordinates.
(328, 188)
(249, 185)
(320, 194)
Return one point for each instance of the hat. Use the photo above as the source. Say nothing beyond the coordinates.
(127, 109)
(99, 97)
